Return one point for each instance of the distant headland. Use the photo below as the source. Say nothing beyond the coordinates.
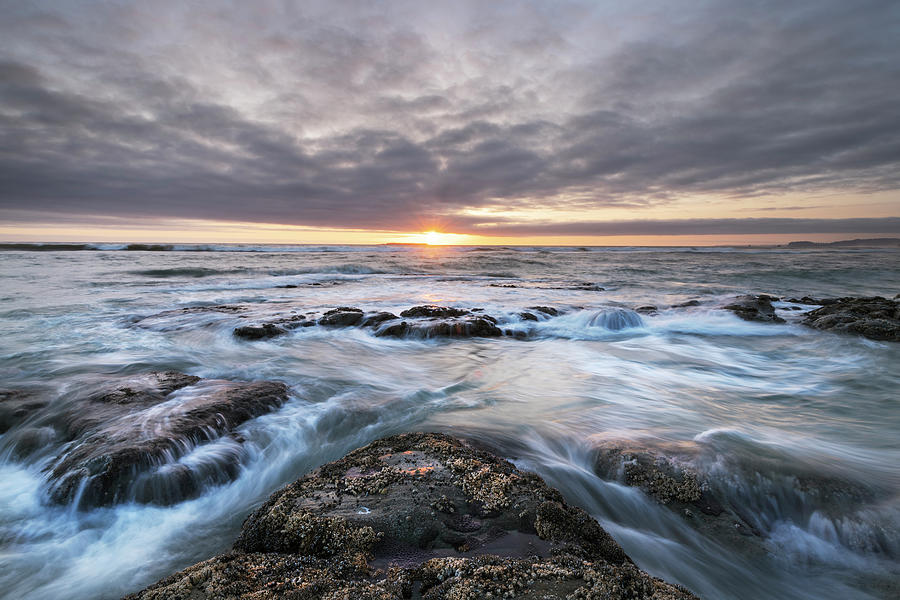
(859, 243)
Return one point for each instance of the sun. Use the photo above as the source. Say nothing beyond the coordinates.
(433, 238)
(438, 238)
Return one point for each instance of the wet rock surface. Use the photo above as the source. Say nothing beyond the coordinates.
(126, 436)
(669, 476)
(418, 516)
(876, 318)
(418, 322)
(16, 406)
(728, 498)
(755, 308)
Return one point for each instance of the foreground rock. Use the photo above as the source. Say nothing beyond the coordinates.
(755, 308)
(876, 318)
(417, 515)
(127, 438)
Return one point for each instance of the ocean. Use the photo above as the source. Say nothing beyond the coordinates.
(795, 428)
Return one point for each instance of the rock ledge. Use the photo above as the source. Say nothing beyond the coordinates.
(418, 516)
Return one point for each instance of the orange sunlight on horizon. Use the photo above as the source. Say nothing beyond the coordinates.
(439, 238)
(187, 231)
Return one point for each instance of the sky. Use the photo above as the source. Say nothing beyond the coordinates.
(534, 122)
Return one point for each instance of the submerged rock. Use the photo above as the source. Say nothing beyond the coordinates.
(616, 319)
(755, 308)
(127, 436)
(741, 496)
(667, 477)
(547, 310)
(16, 406)
(687, 304)
(876, 318)
(424, 514)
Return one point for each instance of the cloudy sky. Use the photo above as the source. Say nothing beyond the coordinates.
(531, 121)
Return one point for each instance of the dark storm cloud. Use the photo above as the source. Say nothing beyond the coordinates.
(344, 115)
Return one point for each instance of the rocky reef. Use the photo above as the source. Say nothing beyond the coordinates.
(876, 318)
(126, 438)
(417, 516)
(755, 308)
(418, 322)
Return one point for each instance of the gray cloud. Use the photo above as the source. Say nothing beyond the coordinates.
(888, 225)
(350, 115)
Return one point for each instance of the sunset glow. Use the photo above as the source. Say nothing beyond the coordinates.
(437, 238)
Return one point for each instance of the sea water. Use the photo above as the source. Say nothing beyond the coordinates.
(800, 428)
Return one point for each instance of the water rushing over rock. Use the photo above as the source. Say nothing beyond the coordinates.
(424, 514)
(154, 399)
(147, 437)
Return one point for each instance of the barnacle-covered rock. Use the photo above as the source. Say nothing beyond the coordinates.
(424, 512)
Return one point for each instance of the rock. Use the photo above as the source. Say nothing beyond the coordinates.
(805, 300)
(668, 475)
(647, 310)
(433, 311)
(739, 498)
(378, 318)
(687, 304)
(469, 326)
(876, 318)
(425, 321)
(172, 320)
(438, 321)
(124, 446)
(259, 332)
(818, 301)
(16, 406)
(658, 475)
(343, 316)
(547, 310)
(586, 286)
(417, 512)
(755, 308)
(273, 328)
